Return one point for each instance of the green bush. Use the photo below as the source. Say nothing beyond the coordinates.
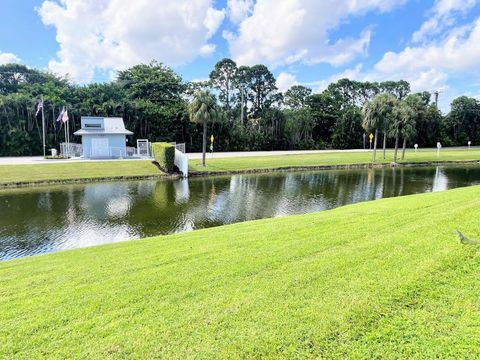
(164, 154)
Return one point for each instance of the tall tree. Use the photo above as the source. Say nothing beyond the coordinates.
(414, 110)
(299, 125)
(399, 89)
(223, 78)
(242, 83)
(402, 116)
(350, 93)
(296, 96)
(324, 111)
(348, 131)
(261, 88)
(203, 109)
(157, 92)
(377, 114)
(408, 129)
(463, 121)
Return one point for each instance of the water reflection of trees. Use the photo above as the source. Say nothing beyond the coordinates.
(27, 213)
(44, 219)
(49, 218)
(462, 176)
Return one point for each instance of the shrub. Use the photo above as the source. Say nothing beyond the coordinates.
(164, 154)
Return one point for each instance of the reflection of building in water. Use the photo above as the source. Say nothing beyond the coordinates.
(440, 181)
(145, 188)
(106, 200)
(118, 206)
(182, 191)
(45, 201)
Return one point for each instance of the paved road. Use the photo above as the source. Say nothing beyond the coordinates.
(264, 153)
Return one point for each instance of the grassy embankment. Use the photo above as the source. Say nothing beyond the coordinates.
(382, 279)
(76, 171)
(328, 159)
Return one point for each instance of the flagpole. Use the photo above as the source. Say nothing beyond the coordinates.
(43, 128)
(65, 134)
(68, 132)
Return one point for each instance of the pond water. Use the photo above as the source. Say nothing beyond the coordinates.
(45, 219)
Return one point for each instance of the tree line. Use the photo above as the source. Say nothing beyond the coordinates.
(250, 112)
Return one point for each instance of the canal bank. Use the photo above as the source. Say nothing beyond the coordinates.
(84, 171)
(49, 173)
(333, 167)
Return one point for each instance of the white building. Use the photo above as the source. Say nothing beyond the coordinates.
(103, 137)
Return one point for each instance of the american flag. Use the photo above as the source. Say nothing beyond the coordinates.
(60, 116)
(39, 107)
(65, 116)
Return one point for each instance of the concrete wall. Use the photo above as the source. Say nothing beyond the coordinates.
(116, 146)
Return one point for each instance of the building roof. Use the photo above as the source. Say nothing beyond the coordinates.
(111, 125)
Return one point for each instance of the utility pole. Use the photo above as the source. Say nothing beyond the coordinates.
(436, 93)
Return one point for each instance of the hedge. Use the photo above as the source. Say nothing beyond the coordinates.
(164, 154)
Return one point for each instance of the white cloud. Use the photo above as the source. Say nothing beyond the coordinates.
(431, 66)
(114, 34)
(424, 80)
(442, 16)
(444, 7)
(458, 51)
(344, 50)
(7, 58)
(207, 49)
(352, 74)
(285, 81)
(444, 52)
(282, 32)
(427, 67)
(213, 20)
(238, 10)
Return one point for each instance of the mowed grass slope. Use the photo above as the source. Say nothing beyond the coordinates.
(384, 279)
(76, 171)
(329, 158)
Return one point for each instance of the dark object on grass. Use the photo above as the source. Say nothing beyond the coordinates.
(465, 240)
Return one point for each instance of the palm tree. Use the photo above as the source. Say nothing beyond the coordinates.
(400, 126)
(203, 109)
(409, 129)
(371, 119)
(376, 115)
(414, 107)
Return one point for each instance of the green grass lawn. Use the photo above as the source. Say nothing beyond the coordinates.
(334, 158)
(382, 279)
(75, 171)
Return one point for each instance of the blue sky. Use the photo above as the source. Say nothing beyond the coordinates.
(434, 44)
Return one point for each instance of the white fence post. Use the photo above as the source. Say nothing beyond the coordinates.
(181, 161)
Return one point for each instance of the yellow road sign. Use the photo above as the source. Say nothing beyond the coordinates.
(371, 137)
(212, 138)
